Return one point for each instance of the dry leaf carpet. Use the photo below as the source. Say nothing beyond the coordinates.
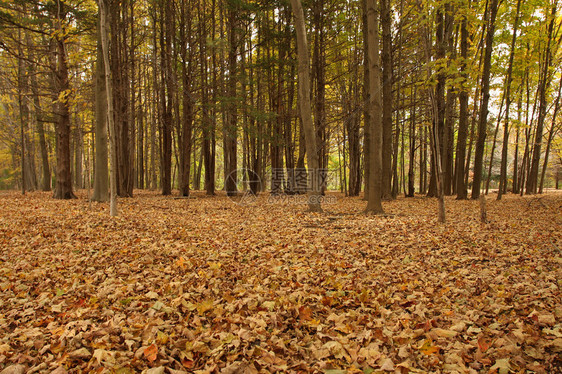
(209, 286)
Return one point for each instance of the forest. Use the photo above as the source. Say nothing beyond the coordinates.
(205, 93)
(280, 186)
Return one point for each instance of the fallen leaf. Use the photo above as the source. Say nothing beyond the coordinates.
(387, 365)
(428, 348)
(501, 366)
(151, 352)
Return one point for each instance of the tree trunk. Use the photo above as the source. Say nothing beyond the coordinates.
(63, 187)
(305, 108)
(366, 101)
(450, 104)
(387, 99)
(412, 149)
(461, 188)
(374, 203)
(101, 171)
(78, 154)
(439, 95)
(167, 95)
(550, 137)
(483, 120)
(104, 24)
(515, 184)
(23, 116)
(319, 87)
(187, 107)
(231, 127)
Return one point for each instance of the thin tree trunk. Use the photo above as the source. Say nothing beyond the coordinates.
(450, 104)
(461, 188)
(23, 114)
(551, 133)
(104, 24)
(412, 149)
(515, 184)
(78, 154)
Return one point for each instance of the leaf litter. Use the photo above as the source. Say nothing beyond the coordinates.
(204, 285)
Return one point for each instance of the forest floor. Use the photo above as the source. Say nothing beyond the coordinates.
(205, 285)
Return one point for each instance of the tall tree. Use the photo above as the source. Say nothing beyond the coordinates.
(167, 23)
(230, 126)
(101, 170)
(483, 119)
(387, 98)
(374, 204)
(104, 23)
(461, 187)
(63, 186)
(187, 97)
(305, 108)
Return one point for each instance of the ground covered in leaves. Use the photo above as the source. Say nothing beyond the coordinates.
(205, 285)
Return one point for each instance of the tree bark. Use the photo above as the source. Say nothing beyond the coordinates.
(387, 99)
(461, 188)
(167, 95)
(374, 202)
(412, 148)
(483, 119)
(551, 133)
(63, 187)
(187, 107)
(231, 126)
(104, 24)
(101, 171)
(305, 108)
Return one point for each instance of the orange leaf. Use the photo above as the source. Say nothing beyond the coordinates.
(151, 352)
(428, 348)
(483, 344)
(181, 263)
(327, 300)
(305, 313)
(187, 363)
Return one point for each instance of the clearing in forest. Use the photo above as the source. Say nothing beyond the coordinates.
(206, 285)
